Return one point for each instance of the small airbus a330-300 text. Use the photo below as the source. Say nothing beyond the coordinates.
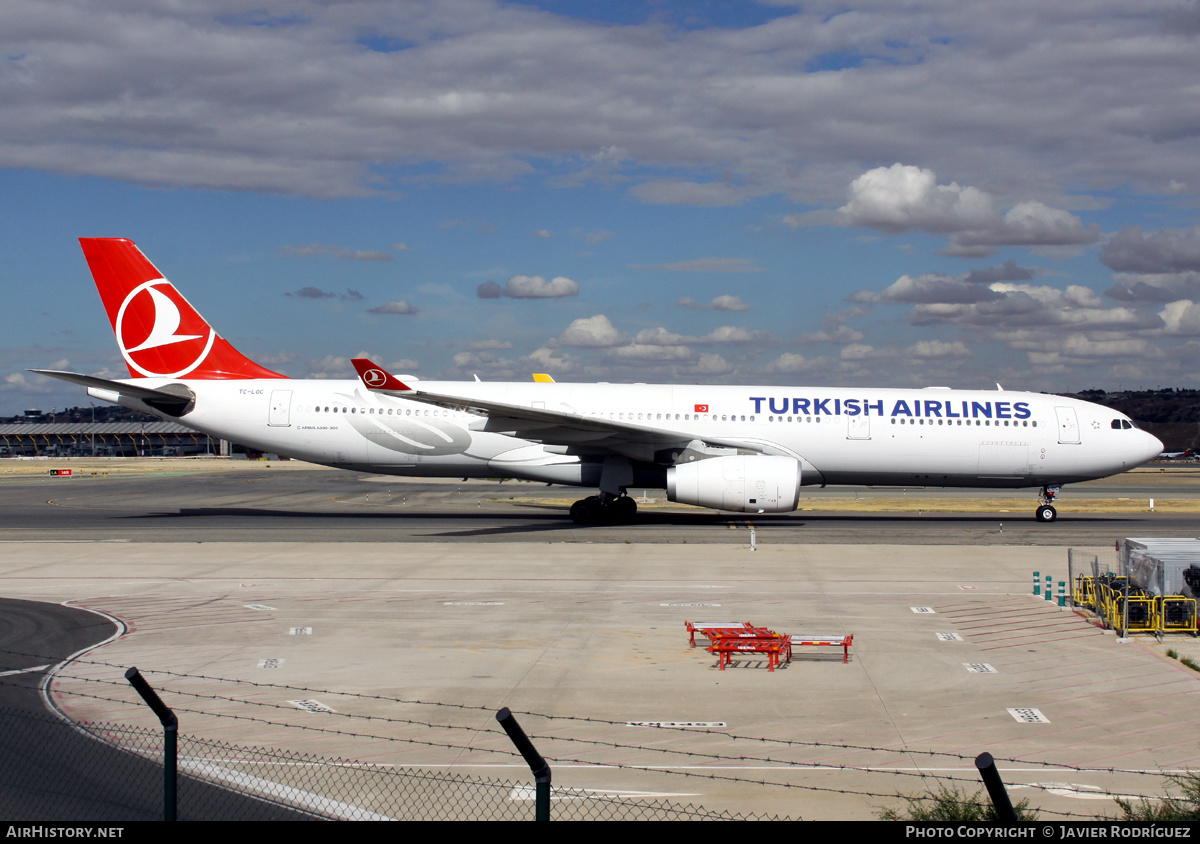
(740, 449)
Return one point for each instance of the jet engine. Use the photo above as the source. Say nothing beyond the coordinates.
(741, 483)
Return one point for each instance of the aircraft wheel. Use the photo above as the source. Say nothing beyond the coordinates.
(586, 511)
(624, 509)
(1046, 513)
(581, 512)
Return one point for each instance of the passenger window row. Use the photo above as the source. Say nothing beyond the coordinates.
(372, 411)
(1016, 423)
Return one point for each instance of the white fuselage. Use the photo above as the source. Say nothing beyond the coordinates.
(930, 437)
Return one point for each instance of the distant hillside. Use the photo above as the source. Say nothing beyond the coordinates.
(1171, 415)
(100, 413)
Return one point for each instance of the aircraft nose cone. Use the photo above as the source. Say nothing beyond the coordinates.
(1152, 446)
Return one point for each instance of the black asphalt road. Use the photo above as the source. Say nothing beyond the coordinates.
(50, 771)
(326, 506)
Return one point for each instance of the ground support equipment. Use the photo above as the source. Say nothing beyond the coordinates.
(843, 642)
(776, 648)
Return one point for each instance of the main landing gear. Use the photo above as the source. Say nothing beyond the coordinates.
(603, 509)
(1045, 511)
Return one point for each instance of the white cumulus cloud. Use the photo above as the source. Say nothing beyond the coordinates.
(903, 198)
(592, 332)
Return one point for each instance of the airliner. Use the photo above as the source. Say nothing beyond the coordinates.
(746, 449)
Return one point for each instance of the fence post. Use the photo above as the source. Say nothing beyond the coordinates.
(170, 739)
(541, 770)
(995, 787)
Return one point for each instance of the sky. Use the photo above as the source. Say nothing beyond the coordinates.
(879, 193)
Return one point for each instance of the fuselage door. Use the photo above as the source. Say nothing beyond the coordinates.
(858, 427)
(281, 409)
(1068, 425)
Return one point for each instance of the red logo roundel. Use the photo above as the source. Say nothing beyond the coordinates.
(701, 408)
(159, 333)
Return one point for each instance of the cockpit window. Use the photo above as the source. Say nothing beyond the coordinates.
(1121, 424)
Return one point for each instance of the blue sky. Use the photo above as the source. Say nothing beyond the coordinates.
(930, 193)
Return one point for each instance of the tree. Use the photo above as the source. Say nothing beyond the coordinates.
(951, 804)
(1169, 808)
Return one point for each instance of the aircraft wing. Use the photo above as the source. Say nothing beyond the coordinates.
(575, 432)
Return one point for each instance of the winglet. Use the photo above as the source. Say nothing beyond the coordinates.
(542, 378)
(377, 378)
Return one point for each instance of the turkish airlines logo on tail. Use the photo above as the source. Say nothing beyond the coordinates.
(159, 333)
(374, 378)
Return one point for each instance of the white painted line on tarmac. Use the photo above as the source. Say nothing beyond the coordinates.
(61, 541)
(23, 670)
(290, 794)
(529, 792)
(1070, 789)
(674, 586)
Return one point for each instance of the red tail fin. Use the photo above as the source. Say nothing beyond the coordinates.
(158, 332)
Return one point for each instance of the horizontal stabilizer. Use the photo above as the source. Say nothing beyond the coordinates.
(168, 401)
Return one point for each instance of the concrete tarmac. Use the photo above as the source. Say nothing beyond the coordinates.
(414, 641)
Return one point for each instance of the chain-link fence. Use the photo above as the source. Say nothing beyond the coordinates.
(54, 770)
(1088, 569)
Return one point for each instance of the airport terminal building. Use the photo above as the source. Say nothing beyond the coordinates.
(102, 431)
(105, 439)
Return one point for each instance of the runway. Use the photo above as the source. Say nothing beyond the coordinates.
(414, 611)
(283, 503)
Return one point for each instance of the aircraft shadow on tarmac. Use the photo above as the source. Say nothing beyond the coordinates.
(541, 519)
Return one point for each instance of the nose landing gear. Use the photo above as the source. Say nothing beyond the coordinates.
(1045, 511)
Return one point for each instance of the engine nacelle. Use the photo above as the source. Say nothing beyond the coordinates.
(742, 483)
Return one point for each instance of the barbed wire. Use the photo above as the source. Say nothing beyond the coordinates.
(670, 771)
(908, 751)
(691, 731)
(713, 757)
(505, 752)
